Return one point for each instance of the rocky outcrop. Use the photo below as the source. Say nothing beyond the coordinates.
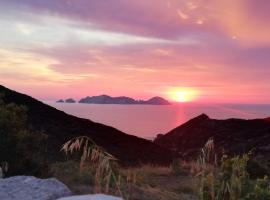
(31, 188)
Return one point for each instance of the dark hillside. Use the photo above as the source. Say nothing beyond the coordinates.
(232, 136)
(61, 127)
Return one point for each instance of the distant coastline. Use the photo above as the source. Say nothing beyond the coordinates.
(70, 100)
(105, 99)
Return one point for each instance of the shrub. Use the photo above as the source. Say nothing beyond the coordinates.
(22, 148)
(230, 180)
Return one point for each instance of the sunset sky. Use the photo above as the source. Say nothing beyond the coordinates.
(197, 50)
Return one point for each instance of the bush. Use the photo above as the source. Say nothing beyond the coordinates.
(22, 148)
(230, 180)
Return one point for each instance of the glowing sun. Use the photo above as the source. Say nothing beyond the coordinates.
(182, 95)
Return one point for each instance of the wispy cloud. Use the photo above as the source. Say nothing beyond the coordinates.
(218, 47)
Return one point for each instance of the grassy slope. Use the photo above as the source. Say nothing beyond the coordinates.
(152, 183)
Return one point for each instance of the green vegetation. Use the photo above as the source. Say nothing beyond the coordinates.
(22, 148)
(228, 181)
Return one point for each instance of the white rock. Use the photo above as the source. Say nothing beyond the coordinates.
(31, 188)
(91, 197)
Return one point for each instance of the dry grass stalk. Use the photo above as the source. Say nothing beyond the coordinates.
(108, 178)
(206, 160)
(104, 163)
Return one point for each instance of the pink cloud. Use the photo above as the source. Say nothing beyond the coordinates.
(245, 20)
(219, 47)
(214, 69)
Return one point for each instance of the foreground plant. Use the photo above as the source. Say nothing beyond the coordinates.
(108, 178)
(229, 180)
(22, 147)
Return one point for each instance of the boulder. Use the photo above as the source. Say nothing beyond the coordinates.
(31, 188)
(91, 197)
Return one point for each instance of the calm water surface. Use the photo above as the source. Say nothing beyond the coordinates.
(147, 120)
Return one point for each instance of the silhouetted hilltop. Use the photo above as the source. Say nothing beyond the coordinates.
(233, 136)
(60, 101)
(105, 99)
(61, 127)
(70, 100)
(157, 101)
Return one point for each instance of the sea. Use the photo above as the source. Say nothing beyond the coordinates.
(147, 121)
